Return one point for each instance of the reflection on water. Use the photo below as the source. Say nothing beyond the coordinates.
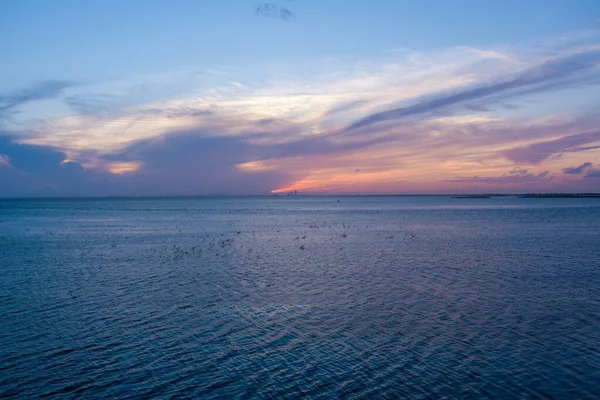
(420, 297)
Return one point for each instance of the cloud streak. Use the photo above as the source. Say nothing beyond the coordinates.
(45, 90)
(549, 73)
(577, 170)
(537, 152)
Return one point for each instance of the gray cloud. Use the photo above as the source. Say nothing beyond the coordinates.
(577, 170)
(593, 173)
(537, 152)
(34, 170)
(275, 11)
(583, 148)
(44, 90)
(176, 164)
(187, 163)
(550, 75)
(477, 108)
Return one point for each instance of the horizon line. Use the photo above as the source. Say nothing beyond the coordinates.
(461, 195)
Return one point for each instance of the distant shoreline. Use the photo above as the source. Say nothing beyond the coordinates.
(454, 196)
(559, 196)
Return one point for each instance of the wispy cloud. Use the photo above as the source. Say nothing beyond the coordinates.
(537, 152)
(419, 118)
(551, 73)
(11, 101)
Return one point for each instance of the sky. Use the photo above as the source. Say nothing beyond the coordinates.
(239, 97)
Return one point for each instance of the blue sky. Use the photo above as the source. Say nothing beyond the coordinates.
(97, 40)
(198, 97)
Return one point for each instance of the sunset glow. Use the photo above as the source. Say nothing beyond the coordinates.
(119, 168)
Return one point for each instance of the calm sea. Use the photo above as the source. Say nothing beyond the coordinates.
(289, 297)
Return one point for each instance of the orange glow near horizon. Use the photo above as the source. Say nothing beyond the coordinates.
(121, 168)
(330, 181)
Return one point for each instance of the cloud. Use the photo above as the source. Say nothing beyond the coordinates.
(176, 164)
(537, 152)
(4, 160)
(30, 158)
(275, 11)
(205, 163)
(111, 115)
(291, 133)
(90, 104)
(584, 148)
(593, 173)
(185, 163)
(276, 156)
(577, 170)
(44, 90)
(477, 108)
(320, 145)
(549, 73)
(352, 105)
(33, 170)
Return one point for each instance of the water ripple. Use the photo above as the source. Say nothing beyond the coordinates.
(284, 298)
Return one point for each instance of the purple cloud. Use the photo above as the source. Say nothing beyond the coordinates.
(187, 163)
(537, 152)
(593, 173)
(577, 170)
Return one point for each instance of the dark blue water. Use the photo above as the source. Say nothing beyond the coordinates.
(368, 297)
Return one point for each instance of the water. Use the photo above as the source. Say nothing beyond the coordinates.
(368, 297)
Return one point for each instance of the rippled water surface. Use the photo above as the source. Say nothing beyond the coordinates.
(317, 297)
